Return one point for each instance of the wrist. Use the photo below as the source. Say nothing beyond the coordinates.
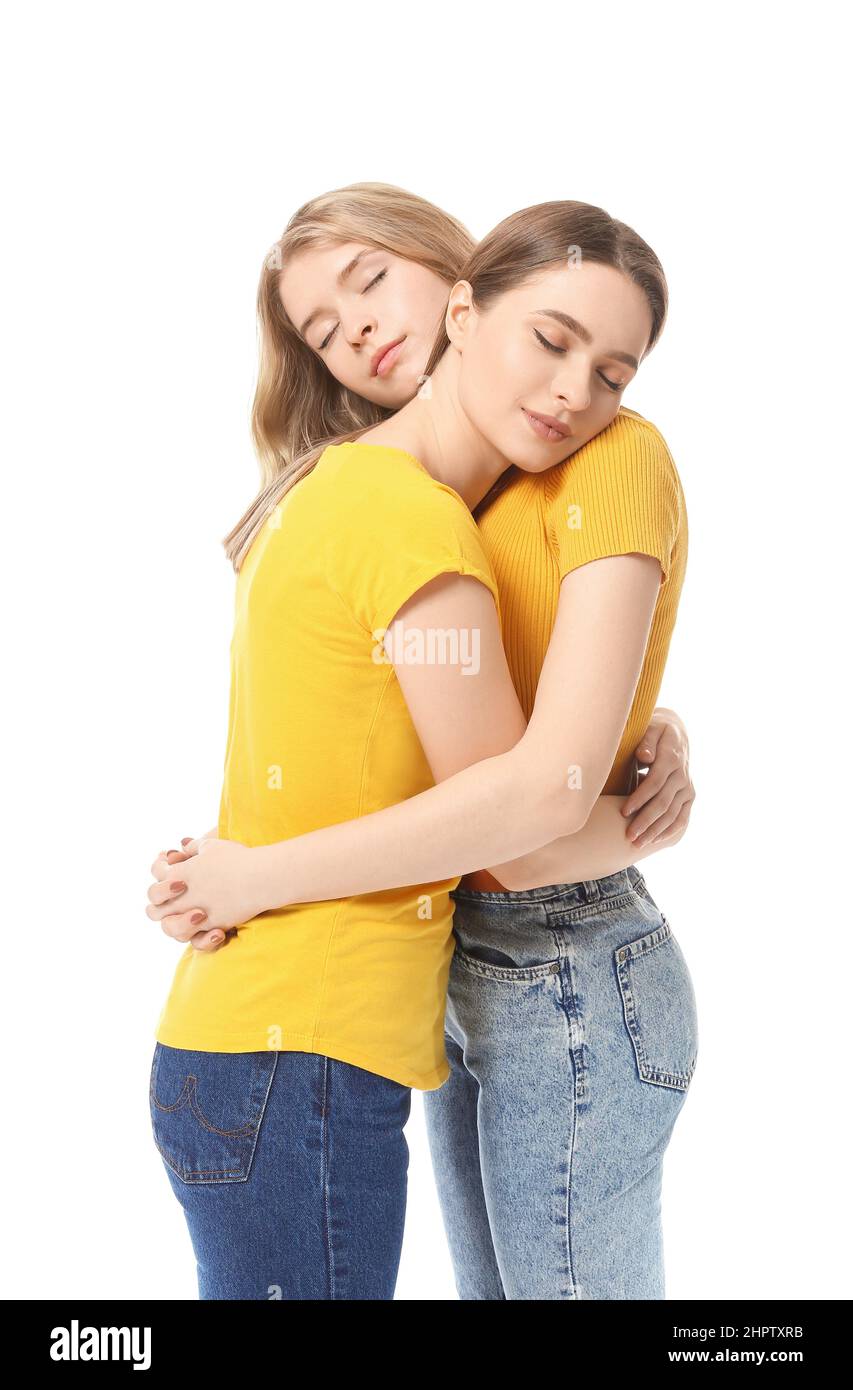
(268, 878)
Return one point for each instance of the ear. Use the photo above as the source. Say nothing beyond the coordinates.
(459, 313)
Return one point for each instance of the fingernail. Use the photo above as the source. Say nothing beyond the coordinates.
(216, 939)
(197, 917)
(177, 887)
(186, 839)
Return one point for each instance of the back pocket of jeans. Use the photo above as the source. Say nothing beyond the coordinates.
(659, 1007)
(206, 1110)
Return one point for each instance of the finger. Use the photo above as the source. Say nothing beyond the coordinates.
(208, 940)
(165, 859)
(657, 806)
(647, 747)
(166, 890)
(174, 908)
(651, 784)
(657, 813)
(180, 925)
(658, 817)
(679, 823)
(212, 940)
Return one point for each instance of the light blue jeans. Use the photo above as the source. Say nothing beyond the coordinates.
(571, 1032)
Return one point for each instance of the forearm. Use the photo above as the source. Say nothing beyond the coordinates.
(493, 811)
(601, 847)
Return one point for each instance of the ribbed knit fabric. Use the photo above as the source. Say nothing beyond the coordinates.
(618, 494)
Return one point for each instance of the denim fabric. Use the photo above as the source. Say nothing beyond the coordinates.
(291, 1169)
(571, 1031)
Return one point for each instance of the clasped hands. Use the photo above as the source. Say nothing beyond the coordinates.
(203, 892)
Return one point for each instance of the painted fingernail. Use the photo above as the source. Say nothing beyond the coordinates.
(177, 887)
(197, 917)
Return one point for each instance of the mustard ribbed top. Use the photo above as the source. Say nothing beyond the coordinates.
(619, 493)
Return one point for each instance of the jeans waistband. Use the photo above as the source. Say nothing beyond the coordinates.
(586, 891)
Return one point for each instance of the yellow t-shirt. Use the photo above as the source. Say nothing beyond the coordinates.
(319, 733)
(619, 493)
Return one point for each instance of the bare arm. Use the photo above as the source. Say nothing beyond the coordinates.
(658, 812)
(516, 790)
(504, 791)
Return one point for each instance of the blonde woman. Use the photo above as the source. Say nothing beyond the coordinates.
(585, 1118)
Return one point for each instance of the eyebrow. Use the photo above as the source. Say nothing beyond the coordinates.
(341, 277)
(584, 334)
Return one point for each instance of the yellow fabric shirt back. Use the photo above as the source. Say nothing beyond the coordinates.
(318, 733)
(620, 493)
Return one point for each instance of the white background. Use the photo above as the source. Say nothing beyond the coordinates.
(154, 152)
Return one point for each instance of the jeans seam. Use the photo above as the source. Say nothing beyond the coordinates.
(595, 909)
(324, 1176)
(648, 1072)
(567, 976)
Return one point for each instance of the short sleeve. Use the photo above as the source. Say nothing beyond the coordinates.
(397, 528)
(620, 493)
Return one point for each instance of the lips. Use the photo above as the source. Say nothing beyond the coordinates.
(546, 426)
(384, 359)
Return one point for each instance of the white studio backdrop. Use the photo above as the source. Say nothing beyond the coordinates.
(153, 154)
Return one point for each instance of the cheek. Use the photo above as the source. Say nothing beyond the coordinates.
(606, 411)
(500, 373)
(340, 365)
(417, 303)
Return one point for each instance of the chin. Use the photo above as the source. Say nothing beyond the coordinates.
(540, 460)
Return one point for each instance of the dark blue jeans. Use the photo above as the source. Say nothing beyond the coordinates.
(291, 1169)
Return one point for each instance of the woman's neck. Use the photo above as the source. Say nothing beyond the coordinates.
(435, 429)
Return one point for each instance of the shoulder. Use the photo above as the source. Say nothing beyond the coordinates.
(388, 527)
(629, 439)
(629, 424)
(368, 468)
(382, 484)
(631, 455)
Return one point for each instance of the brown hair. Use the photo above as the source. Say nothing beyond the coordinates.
(549, 234)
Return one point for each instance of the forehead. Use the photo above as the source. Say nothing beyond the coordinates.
(313, 270)
(601, 297)
(586, 279)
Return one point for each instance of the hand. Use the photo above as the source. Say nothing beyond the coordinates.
(204, 940)
(221, 880)
(666, 793)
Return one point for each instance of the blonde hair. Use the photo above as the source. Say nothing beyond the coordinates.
(299, 407)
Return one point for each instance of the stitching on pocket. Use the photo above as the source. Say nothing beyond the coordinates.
(510, 974)
(623, 955)
(259, 1085)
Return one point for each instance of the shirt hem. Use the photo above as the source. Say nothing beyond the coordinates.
(304, 1042)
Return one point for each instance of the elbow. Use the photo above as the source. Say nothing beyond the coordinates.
(569, 809)
(560, 805)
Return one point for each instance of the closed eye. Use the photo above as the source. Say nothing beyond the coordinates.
(553, 347)
(330, 335)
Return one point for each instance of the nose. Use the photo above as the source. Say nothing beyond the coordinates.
(359, 328)
(571, 388)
